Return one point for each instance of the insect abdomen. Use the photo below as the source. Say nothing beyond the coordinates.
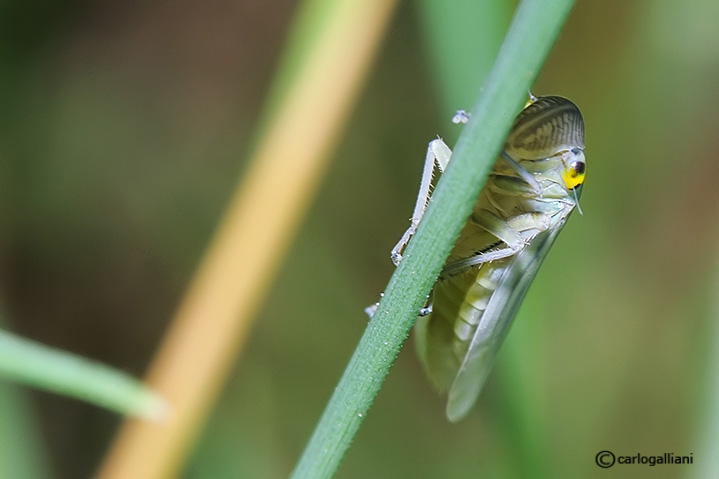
(458, 303)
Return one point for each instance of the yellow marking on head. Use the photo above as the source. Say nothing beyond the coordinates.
(573, 175)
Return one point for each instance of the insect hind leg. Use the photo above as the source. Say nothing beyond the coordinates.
(515, 233)
(372, 309)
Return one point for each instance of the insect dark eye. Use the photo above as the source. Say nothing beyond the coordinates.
(578, 167)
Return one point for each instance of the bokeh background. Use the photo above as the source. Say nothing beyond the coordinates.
(124, 129)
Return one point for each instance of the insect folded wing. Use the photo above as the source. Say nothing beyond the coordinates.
(477, 362)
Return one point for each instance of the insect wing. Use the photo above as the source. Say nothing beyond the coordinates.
(495, 323)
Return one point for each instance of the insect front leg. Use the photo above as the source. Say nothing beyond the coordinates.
(438, 152)
(526, 176)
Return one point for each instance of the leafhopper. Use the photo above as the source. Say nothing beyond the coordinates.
(532, 189)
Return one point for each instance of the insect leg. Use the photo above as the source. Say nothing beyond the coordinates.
(515, 233)
(530, 224)
(371, 309)
(438, 152)
(480, 258)
(524, 174)
(498, 227)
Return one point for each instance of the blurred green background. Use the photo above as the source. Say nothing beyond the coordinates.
(125, 126)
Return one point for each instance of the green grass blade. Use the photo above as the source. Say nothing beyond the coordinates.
(34, 364)
(534, 29)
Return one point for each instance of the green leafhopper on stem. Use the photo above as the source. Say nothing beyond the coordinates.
(532, 189)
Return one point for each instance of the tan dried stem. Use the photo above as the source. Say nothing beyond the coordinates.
(215, 315)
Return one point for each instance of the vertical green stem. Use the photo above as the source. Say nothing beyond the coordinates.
(532, 33)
